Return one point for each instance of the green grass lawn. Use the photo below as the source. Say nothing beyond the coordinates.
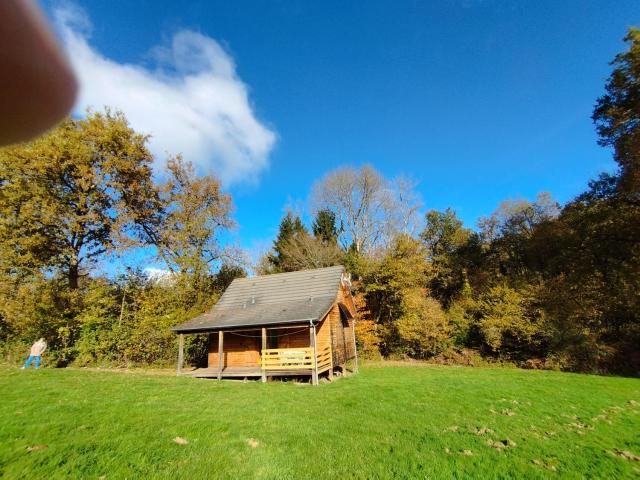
(386, 422)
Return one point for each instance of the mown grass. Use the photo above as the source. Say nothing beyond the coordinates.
(386, 422)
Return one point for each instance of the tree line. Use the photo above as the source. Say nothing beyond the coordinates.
(84, 194)
(537, 283)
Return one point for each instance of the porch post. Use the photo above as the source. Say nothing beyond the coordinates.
(264, 347)
(220, 353)
(180, 353)
(355, 346)
(331, 360)
(314, 371)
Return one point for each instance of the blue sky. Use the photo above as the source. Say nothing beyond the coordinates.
(478, 100)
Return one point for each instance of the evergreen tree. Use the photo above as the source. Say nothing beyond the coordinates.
(290, 227)
(324, 226)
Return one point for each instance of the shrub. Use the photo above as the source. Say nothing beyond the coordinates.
(508, 322)
(423, 329)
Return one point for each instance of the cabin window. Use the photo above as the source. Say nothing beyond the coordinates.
(272, 339)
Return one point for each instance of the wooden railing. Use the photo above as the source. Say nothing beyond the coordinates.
(324, 359)
(295, 359)
(287, 358)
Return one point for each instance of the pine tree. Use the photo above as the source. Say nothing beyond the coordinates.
(324, 227)
(290, 227)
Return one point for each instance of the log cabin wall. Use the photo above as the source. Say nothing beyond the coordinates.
(323, 334)
(344, 296)
(347, 332)
(297, 337)
(237, 350)
(342, 328)
(337, 339)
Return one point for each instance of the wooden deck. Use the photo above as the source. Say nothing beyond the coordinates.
(277, 362)
(226, 372)
(242, 372)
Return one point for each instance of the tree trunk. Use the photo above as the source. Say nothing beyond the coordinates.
(73, 274)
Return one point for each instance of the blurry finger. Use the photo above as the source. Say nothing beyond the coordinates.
(37, 85)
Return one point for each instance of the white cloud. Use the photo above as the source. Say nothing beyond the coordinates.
(157, 275)
(192, 103)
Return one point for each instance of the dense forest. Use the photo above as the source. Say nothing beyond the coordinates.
(536, 283)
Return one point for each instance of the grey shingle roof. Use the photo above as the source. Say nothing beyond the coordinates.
(271, 299)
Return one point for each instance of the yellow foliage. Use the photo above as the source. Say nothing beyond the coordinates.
(423, 328)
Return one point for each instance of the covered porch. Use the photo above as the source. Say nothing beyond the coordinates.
(265, 352)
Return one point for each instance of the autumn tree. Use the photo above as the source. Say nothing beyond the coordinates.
(395, 288)
(196, 213)
(73, 195)
(507, 232)
(423, 328)
(592, 273)
(519, 217)
(445, 238)
(509, 322)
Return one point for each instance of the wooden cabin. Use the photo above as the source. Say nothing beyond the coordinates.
(287, 324)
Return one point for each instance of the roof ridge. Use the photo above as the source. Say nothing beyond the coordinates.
(270, 275)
